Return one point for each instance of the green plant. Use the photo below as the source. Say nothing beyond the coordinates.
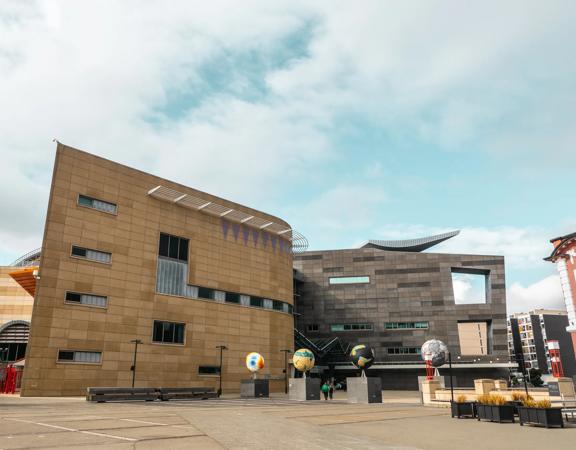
(461, 398)
(535, 377)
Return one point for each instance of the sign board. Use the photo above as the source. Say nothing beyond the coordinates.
(553, 389)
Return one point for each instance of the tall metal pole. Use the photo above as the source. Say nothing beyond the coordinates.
(133, 368)
(222, 348)
(451, 382)
(285, 351)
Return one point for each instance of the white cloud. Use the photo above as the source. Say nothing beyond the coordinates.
(545, 293)
(469, 288)
(122, 79)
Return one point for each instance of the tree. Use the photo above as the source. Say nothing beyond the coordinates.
(536, 377)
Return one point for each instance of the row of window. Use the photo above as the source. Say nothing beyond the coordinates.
(89, 357)
(368, 326)
(350, 326)
(92, 255)
(405, 325)
(404, 350)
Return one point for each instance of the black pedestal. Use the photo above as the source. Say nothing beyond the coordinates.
(254, 388)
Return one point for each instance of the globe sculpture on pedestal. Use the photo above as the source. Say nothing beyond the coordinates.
(435, 351)
(254, 363)
(303, 360)
(362, 356)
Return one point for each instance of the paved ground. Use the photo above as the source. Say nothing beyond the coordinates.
(231, 423)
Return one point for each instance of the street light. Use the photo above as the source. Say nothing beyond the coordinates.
(222, 348)
(133, 368)
(285, 351)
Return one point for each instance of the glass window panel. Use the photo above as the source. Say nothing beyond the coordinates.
(257, 301)
(73, 297)
(163, 247)
(168, 332)
(277, 305)
(183, 250)
(231, 297)
(84, 201)
(267, 303)
(79, 251)
(349, 280)
(157, 337)
(179, 333)
(205, 293)
(173, 247)
(208, 370)
(65, 355)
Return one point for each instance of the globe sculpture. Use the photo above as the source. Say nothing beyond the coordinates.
(303, 360)
(362, 356)
(254, 362)
(434, 351)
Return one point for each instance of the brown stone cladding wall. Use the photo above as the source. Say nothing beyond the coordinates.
(132, 236)
(15, 302)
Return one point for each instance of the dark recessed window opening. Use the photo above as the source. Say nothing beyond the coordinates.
(313, 327)
(351, 327)
(205, 293)
(168, 332)
(403, 350)
(256, 301)
(87, 299)
(81, 357)
(208, 370)
(231, 297)
(92, 255)
(173, 247)
(277, 305)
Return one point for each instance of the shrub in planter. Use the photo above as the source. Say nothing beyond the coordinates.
(540, 413)
(494, 408)
(462, 407)
(517, 399)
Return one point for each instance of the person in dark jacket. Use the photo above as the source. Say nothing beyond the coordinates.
(331, 390)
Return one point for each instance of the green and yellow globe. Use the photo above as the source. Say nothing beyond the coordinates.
(303, 360)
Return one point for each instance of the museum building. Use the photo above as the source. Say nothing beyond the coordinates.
(127, 257)
(393, 296)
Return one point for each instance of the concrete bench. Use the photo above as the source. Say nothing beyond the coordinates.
(103, 394)
(191, 393)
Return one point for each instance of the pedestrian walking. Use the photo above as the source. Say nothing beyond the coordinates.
(331, 390)
(325, 390)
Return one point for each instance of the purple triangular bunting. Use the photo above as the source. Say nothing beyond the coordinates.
(265, 239)
(225, 227)
(281, 244)
(235, 230)
(273, 242)
(245, 234)
(255, 236)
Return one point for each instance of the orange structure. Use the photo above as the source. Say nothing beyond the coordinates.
(564, 255)
(26, 278)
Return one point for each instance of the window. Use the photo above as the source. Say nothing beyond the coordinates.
(278, 306)
(349, 280)
(469, 286)
(173, 247)
(406, 325)
(86, 299)
(351, 327)
(312, 327)
(403, 350)
(168, 332)
(209, 370)
(92, 255)
(258, 302)
(231, 297)
(100, 205)
(206, 293)
(267, 304)
(80, 357)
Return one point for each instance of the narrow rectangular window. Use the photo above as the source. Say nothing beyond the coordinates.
(267, 303)
(349, 280)
(80, 357)
(87, 299)
(351, 327)
(231, 297)
(173, 247)
(94, 203)
(277, 305)
(208, 370)
(206, 293)
(92, 255)
(163, 246)
(256, 301)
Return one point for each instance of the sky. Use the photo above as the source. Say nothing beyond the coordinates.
(350, 120)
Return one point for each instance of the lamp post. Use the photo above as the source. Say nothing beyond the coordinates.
(285, 351)
(451, 382)
(222, 348)
(133, 368)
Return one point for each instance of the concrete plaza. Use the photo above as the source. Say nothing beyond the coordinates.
(276, 423)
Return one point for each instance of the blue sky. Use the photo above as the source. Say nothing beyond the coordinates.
(352, 123)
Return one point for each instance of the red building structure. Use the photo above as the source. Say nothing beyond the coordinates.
(564, 255)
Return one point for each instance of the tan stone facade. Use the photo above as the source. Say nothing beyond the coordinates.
(216, 260)
(15, 302)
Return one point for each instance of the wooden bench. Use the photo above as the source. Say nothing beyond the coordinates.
(191, 393)
(103, 394)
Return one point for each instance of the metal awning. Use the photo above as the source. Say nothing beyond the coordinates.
(299, 242)
(26, 278)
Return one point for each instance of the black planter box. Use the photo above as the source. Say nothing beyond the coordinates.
(463, 409)
(514, 405)
(548, 417)
(495, 413)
